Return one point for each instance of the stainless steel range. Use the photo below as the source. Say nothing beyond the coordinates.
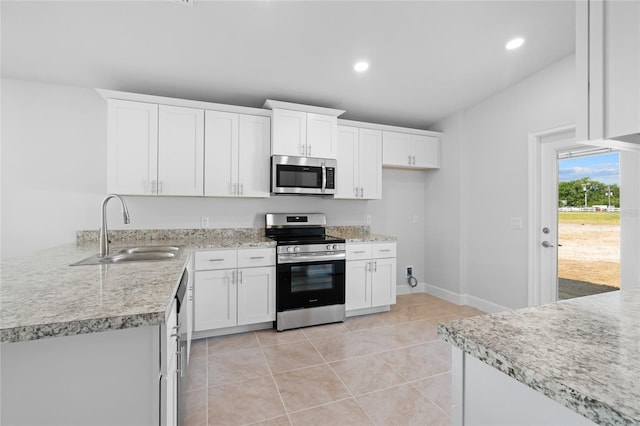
(310, 265)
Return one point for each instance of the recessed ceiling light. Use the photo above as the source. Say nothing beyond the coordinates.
(361, 66)
(514, 43)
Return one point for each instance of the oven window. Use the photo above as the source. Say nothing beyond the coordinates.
(311, 278)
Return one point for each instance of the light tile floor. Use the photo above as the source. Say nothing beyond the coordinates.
(380, 369)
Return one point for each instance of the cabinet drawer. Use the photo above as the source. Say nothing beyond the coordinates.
(358, 251)
(380, 250)
(256, 257)
(216, 259)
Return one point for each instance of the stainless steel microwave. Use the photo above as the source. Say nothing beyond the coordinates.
(303, 175)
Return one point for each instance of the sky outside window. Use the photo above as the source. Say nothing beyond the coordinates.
(603, 168)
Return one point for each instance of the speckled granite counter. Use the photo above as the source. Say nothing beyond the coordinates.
(42, 296)
(583, 353)
(358, 234)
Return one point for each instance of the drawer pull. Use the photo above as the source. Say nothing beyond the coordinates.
(256, 257)
(385, 250)
(216, 260)
(359, 251)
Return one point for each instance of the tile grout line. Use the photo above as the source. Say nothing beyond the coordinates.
(273, 380)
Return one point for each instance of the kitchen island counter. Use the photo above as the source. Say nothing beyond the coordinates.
(42, 296)
(581, 353)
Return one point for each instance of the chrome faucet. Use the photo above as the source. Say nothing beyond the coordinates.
(104, 238)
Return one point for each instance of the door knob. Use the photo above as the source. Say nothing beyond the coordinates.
(547, 244)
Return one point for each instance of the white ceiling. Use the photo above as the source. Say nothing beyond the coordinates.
(428, 58)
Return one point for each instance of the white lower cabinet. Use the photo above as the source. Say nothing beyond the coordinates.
(370, 275)
(169, 381)
(234, 287)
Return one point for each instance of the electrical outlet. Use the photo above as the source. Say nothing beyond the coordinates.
(368, 220)
(409, 272)
(204, 222)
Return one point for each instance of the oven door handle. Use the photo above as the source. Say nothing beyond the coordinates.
(324, 177)
(297, 258)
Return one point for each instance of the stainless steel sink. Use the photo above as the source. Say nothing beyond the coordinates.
(133, 254)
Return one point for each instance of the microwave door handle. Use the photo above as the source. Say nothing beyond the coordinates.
(324, 177)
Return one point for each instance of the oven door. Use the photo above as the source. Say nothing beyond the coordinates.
(310, 284)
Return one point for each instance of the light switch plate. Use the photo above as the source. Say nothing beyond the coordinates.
(516, 223)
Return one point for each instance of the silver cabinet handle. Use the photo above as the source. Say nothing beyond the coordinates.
(359, 251)
(547, 244)
(369, 266)
(409, 160)
(216, 260)
(234, 276)
(356, 191)
(361, 192)
(414, 160)
(385, 250)
(302, 149)
(375, 266)
(240, 277)
(256, 257)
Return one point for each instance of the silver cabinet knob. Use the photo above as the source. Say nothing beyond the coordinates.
(547, 244)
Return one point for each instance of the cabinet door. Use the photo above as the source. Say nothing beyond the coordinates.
(215, 299)
(220, 154)
(621, 68)
(426, 151)
(396, 149)
(370, 164)
(289, 133)
(132, 148)
(171, 406)
(322, 136)
(357, 284)
(253, 156)
(347, 174)
(180, 151)
(383, 282)
(256, 295)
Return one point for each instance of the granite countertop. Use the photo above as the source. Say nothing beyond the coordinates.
(583, 353)
(358, 234)
(42, 296)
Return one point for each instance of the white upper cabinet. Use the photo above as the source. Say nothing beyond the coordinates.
(411, 151)
(359, 172)
(154, 150)
(132, 147)
(303, 130)
(289, 133)
(221, 154)
(180, 151)
(322, 136)
(608, 72)
(254, 154)
(236, 155)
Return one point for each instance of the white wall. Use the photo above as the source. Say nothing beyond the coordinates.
(53, 180)
(492, 141)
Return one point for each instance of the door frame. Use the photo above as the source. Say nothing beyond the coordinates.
(541, 284)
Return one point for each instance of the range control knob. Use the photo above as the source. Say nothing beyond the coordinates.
(329, 246)
(296, 248)
(290, 249)
(335, 247)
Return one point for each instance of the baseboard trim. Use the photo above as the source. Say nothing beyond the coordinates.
(407, 289)
(450, 296)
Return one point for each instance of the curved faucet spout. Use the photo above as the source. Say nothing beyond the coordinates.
(104, 238)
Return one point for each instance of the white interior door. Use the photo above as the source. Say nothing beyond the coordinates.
(543, 213)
